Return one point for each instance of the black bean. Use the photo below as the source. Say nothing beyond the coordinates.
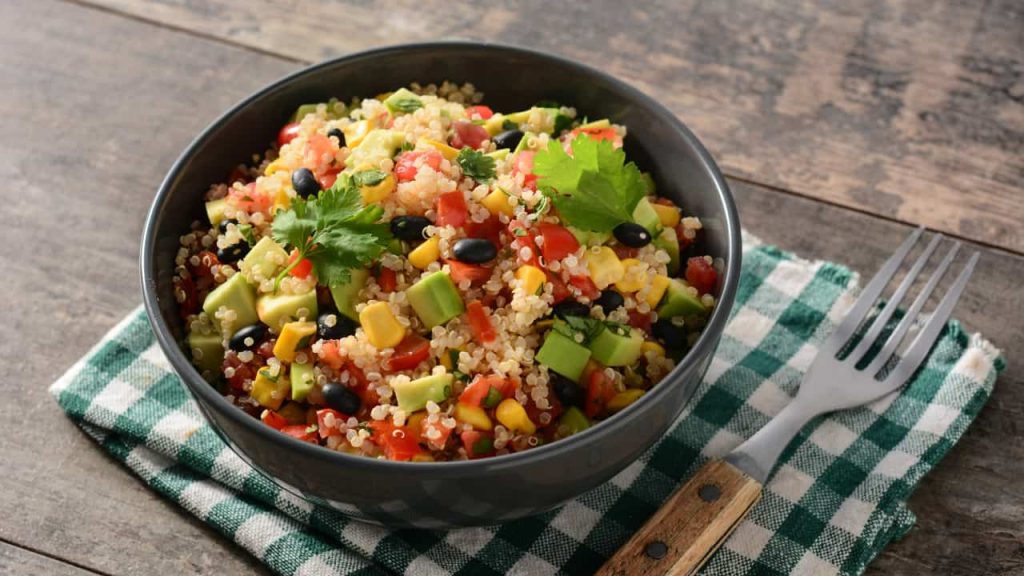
(609, 300)
(474, 250)
(571, 308)
(409, 228)
(508, 139)
(248, 337)
(672, 336)
(341, 326)
(569, 392)
(337, 134)
(339, 397)
(233, 253)
(304, 182)
(632, 235)
(223, 226)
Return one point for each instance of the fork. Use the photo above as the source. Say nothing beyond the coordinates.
(693, 523)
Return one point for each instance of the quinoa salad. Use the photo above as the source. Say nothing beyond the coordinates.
(417, 277)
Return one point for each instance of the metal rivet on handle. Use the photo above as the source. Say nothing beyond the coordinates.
(656, 550)
(709, 492)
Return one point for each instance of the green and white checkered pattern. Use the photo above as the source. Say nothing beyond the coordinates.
(836, 499)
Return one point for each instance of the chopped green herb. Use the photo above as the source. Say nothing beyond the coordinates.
(493, 398)
(368, 177)
(562, 123)
(312, 428)
(573, 325)
(520, 232)
(485, 445)
(246, 231)
(406, 146)
(476, 164)
(509, 125)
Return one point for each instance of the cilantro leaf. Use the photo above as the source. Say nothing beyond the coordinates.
(595, 189)
(570, 326)
(476, 164)
(334, 231)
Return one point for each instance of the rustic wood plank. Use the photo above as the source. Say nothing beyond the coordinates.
(16, 561)
(909, 109)
(97, 126)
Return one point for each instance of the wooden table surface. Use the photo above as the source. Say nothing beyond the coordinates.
(839, 124)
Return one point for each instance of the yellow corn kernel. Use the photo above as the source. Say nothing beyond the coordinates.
(379, 191)
(415, 421)
(447, 151)
(669, 215)
(475, 416)
(497, 203)
(634, 276)
(275, 166)
(651, 346)
(531, 278)
(623, 399)
(282, 200)
(381, 327)
(604, 266)
(513, 416)
(422, 457)
(269, 391)
(658, 287)
(427, 252)
(294, 336)
(355, 132)
(450, 359)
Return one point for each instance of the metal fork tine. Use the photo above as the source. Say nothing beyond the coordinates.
(878, 324)
(868, 296)
(901, 329)
(915, 355)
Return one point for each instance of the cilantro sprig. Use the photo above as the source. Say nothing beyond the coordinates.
(595, 189)
(334, 231)
(476, 164)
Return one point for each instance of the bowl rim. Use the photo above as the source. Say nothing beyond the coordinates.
(199, 387)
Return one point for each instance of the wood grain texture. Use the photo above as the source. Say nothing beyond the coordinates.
(96, 109)
(690, 526)
(16, 561)
(908, 109)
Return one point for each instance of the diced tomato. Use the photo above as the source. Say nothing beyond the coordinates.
(490, 229)
(684, 242)
(477, 444)
(300, 431)
(412, 350)
(241, 371)
(330, 354)
(598, 134)
(328, 178)
(484, 112)
(207, 260)
(560, 291)
(273, 419)
(700, 274)
(387, 279)
(451, 209)
(435, 440)
(331, 429)
(301, 270)
(190, 305)
(624, 252)
(397, 442)
(238, 174)
(318, 154)
(585, 285)
(266, 348)
(599, 392)
(288, 133)
(480, 323)
(523, 237)
(405, 164)
(468, 134)
(524, 165)
(640, 320)
(554, 410)
(250, 199)
(477, 390)
(460, 271)
(558, 241)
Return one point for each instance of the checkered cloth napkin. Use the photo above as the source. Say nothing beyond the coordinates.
(836, 499)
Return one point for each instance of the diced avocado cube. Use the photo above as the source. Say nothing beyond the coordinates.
(302, 379)
(235, 294)
(276, 310)
(588, 238)
(268, 390)
(403, 100)
(435, 299)
(264, 260)
(415, 394)
(346, 294)
(207, 351)
(617, 345)
(574, 419)
(302, 110)
(678, 301)
(215, 210)
(379, 144)
(563, 355)
(669, 242)
(645, 216)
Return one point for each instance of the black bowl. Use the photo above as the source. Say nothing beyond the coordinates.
(447, 494)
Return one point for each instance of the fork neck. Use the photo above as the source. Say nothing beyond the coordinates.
(759, 454)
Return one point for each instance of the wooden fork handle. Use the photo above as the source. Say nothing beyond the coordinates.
(690, 526)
